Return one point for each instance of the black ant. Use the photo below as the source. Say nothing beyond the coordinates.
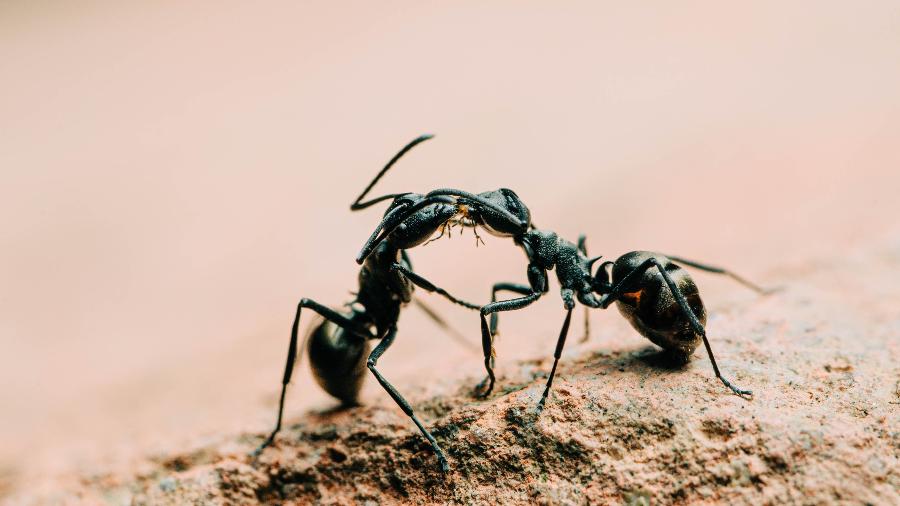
(651, 290)
(338, 347)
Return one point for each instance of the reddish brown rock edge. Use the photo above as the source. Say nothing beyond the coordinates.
(624, 427)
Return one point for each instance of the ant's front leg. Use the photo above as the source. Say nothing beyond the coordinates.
(696, 326)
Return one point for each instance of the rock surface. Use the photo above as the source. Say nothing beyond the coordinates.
(621, 427)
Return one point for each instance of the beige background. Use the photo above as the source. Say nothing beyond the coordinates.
(174, 178)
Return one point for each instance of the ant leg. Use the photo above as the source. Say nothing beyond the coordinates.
(478, 238)
(371, 363)
(436, 318)
(509, 287)
(558, 353)
(487, 341)
(718, 270)
(587, 325)
(357, 204)
(440, 322)
(685, 308)
(429, 286)
(698, 328)
(332, 316)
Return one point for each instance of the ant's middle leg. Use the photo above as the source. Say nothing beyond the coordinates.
(487, 341)
(431, 313)
(429, 286)
(330, 315)
(697, 327)
(718, 270)
(371, 363)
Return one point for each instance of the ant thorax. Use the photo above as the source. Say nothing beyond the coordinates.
(542, 248)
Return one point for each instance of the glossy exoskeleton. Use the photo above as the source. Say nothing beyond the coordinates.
(652, 291)
(339, 347)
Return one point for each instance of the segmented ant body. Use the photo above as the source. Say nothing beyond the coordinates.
(655, 294)
(651, 290)
(339, 347)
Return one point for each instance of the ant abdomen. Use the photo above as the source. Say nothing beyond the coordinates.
(649, 305)
(338, 361)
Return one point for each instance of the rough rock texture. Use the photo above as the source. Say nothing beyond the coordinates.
(622, 427)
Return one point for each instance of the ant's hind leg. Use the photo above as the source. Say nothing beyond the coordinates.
(371, 363)
(329, 314)
(718, 270)
(487, 340)
(697, 327)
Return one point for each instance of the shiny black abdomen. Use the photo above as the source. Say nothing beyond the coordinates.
(651, 307)
(338, 360)
(337, 356)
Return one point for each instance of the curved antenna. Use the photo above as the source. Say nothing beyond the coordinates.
(357, 204)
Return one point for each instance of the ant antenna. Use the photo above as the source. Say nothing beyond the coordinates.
(357, 205)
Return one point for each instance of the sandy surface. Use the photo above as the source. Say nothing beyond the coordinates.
(175, 178)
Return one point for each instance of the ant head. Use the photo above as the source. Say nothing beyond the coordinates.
(497, 224)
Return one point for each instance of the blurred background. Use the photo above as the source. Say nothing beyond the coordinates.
(174, 177)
